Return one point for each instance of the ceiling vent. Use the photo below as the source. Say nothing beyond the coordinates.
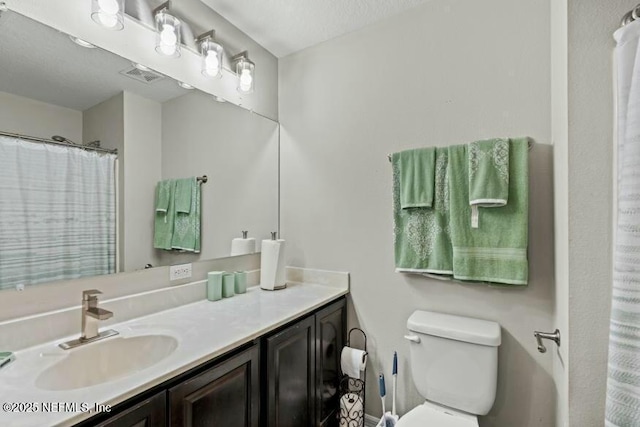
(144, 76)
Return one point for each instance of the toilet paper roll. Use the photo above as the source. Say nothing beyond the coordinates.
(351, 411)
(352, 361)
(272, 265)
(241, 246)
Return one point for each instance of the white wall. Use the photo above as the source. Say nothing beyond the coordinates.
(34, 118)
(132, 125)
(591, 24)
(105, 122)
(439, 74)
(560, 137)
(238, 151)
(142, 170)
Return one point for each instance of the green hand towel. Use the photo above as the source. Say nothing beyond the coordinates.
(186, 231)
(422, 241)
(184, 192)
(496, 252)
(488, 176)
(416, 177)
(164, 221)
(163, 196)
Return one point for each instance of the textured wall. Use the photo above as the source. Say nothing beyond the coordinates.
(416, 80)
(590, 175)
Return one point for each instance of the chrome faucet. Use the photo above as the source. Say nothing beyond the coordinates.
(91, 316)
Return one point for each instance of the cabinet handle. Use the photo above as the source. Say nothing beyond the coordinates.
(412, 338)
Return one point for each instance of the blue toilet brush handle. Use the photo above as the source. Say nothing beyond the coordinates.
(383, 391)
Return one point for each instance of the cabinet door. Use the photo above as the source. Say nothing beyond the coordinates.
(150, 413)
(290, 376)
(330, 338)
(227, 395)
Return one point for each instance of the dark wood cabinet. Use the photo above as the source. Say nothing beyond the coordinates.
(226, 395)
(151, 412)
(330, 339)
(290, 379)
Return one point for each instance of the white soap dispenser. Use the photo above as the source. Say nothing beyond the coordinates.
(272, 264)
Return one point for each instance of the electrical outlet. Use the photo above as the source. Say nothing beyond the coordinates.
(178, 272)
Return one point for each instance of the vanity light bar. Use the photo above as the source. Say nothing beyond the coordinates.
(110, 14)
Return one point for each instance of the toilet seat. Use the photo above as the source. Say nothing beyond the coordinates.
(432, 415)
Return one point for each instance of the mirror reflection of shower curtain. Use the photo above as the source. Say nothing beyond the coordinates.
(623, 382)
(57, 213)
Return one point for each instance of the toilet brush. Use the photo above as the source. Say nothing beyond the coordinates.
(395, 382)
(383, 391)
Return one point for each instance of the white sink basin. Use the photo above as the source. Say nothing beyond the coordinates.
(105, 361)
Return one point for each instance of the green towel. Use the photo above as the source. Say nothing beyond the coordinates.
(184, 192)
(186, 230)
(163, 196)
(496, 252)
(416, 177)
(488, 176)
(164, 220)
(422, 241)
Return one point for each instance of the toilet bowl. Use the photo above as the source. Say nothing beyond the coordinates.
(454, 366)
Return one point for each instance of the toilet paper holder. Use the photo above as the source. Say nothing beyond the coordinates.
(353, 386)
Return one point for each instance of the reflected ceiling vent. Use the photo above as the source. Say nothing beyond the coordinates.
(145, 76)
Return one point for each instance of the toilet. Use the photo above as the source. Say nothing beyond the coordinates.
(454, 366)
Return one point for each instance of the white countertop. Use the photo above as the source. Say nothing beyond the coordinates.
(204, 330)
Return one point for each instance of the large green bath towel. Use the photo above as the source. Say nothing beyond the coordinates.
(497, 250)
(422, 241)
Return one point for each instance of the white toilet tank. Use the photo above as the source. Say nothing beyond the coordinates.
(454, 360)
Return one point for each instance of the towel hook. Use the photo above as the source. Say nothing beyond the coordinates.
(553, 336)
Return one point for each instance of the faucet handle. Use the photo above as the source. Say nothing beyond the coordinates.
(90, 294)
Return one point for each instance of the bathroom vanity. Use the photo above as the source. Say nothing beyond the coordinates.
(261, 358)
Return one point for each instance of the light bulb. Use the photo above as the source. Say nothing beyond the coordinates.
(245, 80)
(110, 7)
(168, 35)
(107, 20)
(212, 64)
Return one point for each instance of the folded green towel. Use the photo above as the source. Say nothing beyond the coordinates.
(164, 220)
(488, 176)
(163, 196)
(422, 241)
(496, 252)
(184, 192)
(416, 177)
(186, 231)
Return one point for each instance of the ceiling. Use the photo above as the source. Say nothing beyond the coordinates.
(41, 63)
(287, 26)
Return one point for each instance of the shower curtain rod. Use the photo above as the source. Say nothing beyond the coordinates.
(529, 143)
(630, 16)
(51, 141)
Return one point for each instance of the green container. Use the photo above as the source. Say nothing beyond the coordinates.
(241, 282)
(228, 285)
(214, 285)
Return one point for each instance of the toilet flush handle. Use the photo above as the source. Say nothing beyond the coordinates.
(412, 338)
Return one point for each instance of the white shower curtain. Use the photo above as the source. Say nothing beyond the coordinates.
(57, 212)
(623, 384)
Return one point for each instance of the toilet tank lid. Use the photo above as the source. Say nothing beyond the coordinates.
(466, 329)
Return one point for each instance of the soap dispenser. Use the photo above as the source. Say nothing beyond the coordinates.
(272, 264)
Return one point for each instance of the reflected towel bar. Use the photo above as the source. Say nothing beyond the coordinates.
(203, 179)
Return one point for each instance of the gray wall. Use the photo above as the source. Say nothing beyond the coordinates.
(415, 80)
(591, 24)
(238, 151)
(105, 122)
(34, 118)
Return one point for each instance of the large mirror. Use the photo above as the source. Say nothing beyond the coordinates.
(69, 212)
